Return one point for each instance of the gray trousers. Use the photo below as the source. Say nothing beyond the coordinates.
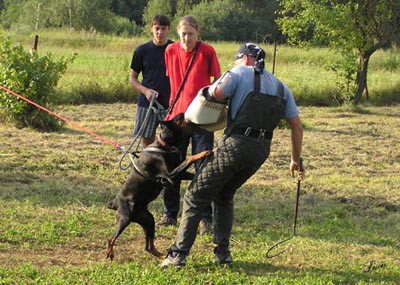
(234, 161)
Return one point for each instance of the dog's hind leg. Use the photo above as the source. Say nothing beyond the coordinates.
(146, 220)
(123, 217)
(122, 224)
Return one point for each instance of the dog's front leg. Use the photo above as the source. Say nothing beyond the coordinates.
(188, 162)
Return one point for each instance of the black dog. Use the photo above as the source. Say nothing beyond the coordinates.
(158, 164)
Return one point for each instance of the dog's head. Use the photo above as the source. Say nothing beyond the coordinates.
(176, 130)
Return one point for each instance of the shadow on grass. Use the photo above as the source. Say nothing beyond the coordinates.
(56, 190)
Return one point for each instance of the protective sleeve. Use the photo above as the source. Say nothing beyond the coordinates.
(219, 83)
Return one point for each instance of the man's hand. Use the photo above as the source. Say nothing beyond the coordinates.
(294, 166)
(149, 93)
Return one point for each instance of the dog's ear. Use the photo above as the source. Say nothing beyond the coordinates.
(165, 123)
(179, 119)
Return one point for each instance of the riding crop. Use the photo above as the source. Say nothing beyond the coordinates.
(296, 208)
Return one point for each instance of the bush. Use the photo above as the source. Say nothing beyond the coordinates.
(212, 18)
(35, 78)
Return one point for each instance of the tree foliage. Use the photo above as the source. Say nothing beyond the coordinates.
(252, 20)
(131, 9)
(155, 7)
(355, 28)
(213, 18)
(35, 78)
(29, 15)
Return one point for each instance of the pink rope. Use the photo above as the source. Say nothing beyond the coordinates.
(61, 118)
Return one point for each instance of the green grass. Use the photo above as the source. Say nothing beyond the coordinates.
(54, 187)
(54, 224)
(101, 70)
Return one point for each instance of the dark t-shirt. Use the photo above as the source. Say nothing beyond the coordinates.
(149, 59)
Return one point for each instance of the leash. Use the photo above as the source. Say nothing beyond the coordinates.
(114, 144)
(137, 138)
(296, 208)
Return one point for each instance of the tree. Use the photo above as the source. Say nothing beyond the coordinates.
(155, 7)
(353, 27)
(78, 14)
(215, 20)
(131, 9)
(184, 6)
(263, 15)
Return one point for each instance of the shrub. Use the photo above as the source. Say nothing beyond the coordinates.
(35, 78)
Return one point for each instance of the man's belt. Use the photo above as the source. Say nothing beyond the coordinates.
(249, 132)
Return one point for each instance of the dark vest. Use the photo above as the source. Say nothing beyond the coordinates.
(259, 114)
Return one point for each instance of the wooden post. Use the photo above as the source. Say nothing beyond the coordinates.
(35, 42)
(274, 59)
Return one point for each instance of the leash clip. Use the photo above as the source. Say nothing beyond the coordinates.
(247, 131)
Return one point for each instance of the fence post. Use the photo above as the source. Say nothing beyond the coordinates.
(35, 44)
(274, 59)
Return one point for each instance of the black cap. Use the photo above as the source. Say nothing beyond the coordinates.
(255, 51)
(250, 49)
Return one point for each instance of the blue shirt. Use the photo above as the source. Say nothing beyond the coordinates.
(239, 82)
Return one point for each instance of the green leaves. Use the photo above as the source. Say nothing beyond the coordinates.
(349, 27)
(33, 77)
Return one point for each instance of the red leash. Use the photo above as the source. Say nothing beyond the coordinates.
(114, 144)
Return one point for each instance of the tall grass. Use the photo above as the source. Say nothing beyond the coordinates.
(101, 70)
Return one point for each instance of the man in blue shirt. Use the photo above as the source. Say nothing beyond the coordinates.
(257, 102)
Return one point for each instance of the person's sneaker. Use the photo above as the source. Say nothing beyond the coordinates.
(174, 258)
(167, 221)
(222, 255)
(205, 227)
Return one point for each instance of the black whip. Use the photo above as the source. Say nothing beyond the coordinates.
(296, 208)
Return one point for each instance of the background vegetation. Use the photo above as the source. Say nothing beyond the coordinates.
(100, 70)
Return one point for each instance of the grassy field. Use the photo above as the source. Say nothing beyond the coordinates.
(54, 224)
(101, 69)
(54, 187)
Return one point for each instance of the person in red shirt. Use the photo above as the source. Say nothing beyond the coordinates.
(204, 67)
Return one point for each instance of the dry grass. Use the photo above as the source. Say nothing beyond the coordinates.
(54, 188)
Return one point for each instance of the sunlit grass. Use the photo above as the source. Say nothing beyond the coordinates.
(101, 69)
(54, 224)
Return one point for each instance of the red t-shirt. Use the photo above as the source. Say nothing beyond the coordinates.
(204, 66)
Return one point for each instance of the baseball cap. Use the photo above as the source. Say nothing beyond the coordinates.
(250, 49)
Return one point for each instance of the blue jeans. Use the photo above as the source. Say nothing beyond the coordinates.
(201, 140)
